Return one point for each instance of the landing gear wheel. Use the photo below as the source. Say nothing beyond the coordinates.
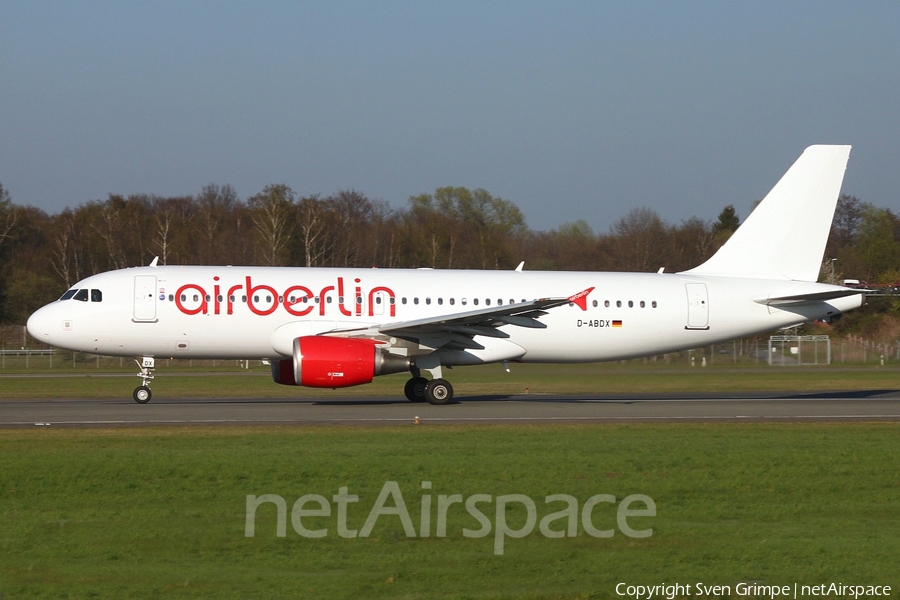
(414, 390)
(439, 391)
(142, 394)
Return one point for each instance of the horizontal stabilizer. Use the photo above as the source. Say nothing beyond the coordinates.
(813, 297)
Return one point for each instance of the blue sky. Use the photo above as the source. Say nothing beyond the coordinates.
(572, 110)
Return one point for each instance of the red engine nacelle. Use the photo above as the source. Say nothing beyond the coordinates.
(333, 362)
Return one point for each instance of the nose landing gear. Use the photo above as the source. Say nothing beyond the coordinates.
(142, 393)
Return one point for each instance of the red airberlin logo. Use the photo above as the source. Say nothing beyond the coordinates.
(580, 299)
(297, 300)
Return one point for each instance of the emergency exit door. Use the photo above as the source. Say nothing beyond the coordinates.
(145, 298)
(698, 306)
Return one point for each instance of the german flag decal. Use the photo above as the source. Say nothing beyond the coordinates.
(617, 323)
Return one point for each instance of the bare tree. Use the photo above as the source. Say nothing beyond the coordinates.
(640, 240)
(64, 256)
(8, 215)
(272, 213)
(214, 206)
(163, 219)
(109, 228)
(311, 218)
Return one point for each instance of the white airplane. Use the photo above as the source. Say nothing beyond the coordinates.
(341, 327)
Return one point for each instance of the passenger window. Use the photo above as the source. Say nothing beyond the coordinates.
(452, 301)
(96, 296)
(68, 295)
(403, 300)
(440, 301)
(630, 304)
(642, 304)
(415, 300)
(475, 301)
(377, 299)
(595, 304)
(427, 300)
(606, 303)
(653, 304)
(81, 296)
(618, 304)
(487, 302)
(172, 297)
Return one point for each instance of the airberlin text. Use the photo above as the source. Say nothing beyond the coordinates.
(297, 300)
(311, 515)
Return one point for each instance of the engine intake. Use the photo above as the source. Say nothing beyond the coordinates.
(332, 362)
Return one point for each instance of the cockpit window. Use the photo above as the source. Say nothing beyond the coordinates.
(81, 296)
(68, 295)
(96, 296)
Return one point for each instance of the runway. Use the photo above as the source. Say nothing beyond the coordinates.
(871, 405)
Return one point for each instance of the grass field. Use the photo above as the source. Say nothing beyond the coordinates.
(160, 512)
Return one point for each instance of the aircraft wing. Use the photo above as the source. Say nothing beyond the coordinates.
(456, 331)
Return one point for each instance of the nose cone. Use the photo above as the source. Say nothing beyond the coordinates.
(42, 324)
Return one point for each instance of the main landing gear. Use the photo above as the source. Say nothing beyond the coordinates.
(142, 392)
(436, 391)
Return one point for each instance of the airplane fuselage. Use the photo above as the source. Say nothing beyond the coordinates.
(257, 312)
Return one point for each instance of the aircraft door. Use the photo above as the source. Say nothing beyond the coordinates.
(698, 306)
(145, 298)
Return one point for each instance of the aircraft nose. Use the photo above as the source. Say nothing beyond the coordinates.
(40, 324)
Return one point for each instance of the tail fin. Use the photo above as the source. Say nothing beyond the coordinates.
(784, 238)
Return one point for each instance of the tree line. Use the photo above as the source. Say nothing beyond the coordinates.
(41, 255)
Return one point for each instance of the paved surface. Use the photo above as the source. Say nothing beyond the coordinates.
(882, 405)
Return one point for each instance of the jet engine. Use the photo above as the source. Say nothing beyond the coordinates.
(333, 362)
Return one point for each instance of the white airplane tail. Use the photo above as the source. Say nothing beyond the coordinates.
(785, 236)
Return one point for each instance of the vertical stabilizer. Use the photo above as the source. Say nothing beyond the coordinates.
(785, 236)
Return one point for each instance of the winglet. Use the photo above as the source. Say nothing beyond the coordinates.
(155, 261)
(580, 299)
(519, 268)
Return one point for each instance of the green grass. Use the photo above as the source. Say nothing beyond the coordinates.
(160, 512)
(633, 377)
